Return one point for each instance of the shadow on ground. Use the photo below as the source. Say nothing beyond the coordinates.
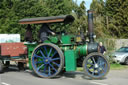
(79, 75)
(73, 75)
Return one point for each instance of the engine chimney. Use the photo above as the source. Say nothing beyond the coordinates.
(90, 26)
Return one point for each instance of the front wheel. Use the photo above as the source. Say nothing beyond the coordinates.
(96, 65)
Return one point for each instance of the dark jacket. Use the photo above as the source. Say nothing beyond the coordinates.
(102, 49)
(44, 32)
(28, 34)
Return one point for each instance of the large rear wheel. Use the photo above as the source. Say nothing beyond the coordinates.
(96, 65)
(47, 60)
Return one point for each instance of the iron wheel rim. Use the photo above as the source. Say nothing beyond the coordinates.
(46, 64)
(96, 66)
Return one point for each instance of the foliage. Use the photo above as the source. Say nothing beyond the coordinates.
(110, 16)
(108, 43)
(11, 11)
(80, 23)
(98, 6)
(118, 17)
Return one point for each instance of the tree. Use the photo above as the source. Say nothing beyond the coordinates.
(56, 8)
(80, 23)
(98, 6)
(11, 11)
(118, 17)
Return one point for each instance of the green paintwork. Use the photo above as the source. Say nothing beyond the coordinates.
(70, 60)
(66, 39)
(82, 50)
(54, 39)
(72, 53)
(31, 47)
(71, 50)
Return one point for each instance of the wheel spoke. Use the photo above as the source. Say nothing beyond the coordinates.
(53, 67)
(93, 60)
(54, 54)
(49, 52)
(102, 63)
(42, 54)
(90, 63)
(103, 68)
(39, 62)
(93, 72)
(98, 71)
(55, 59)
(56, 64)
(96, 65)
(98, 60)
(45, 50)
(46, 60)
(40, 67)
(38, 56)
(45, 68)
(49, 71)
(92, 67)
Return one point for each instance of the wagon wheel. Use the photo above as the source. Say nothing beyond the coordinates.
(47, 60)
(96, 65)
(1, 66)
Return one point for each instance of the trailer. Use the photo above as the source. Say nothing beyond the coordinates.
(16, 52)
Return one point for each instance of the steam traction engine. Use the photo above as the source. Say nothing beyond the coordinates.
(63, 52)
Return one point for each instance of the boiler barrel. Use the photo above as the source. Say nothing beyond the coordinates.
(84, 50)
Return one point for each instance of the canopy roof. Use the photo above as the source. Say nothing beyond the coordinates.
(52, 19)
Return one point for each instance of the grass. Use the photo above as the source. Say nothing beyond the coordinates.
(112, 67)
(118, 67)
(79, 69)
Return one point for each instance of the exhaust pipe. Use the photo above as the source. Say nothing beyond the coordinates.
(92, 46)
(90, 26)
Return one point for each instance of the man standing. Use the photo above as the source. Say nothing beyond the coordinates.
(102, 48)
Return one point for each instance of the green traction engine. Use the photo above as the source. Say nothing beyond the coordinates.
(66, 52)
